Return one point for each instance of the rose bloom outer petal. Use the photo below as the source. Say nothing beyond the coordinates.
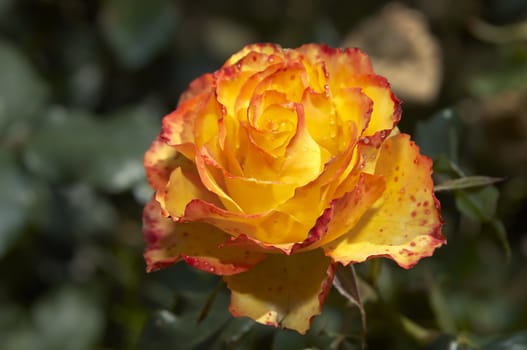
(182, 187)
(405, 223)
(200, 245)
(386, 111)
(264, 48)
(346, 211)
(341, 64)
(283, 291)
(202, 84)
(178, 126)
(159, 161)
(272, 228)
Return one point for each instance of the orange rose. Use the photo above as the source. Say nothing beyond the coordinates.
(278, 166)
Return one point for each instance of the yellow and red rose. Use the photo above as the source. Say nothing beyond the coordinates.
(279, 165)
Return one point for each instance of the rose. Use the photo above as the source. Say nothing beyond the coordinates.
(278, 166)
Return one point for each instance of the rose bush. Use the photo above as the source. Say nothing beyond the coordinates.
(279, 165)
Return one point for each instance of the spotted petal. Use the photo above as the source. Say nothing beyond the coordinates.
(283, 291)
(404, 224)
(200, 245)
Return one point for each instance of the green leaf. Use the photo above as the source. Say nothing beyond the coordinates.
(478, 204)
(439, 305)
(439, 135)
(18, 196)
(466, 182)
(68, 319)
(517, 341)
(22, 91)
(74, 146)
(127, 135)
(137, 30)
(168, 330)
(492, 83)
(501, 234)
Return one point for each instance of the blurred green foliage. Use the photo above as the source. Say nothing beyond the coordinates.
(83, 87)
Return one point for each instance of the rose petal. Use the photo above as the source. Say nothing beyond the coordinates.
(341, 64)
(272, 122)
(183, 187)
(274, 227)
(178, 126)
(352, 105)
(404, 224)
(347, 210)
(290, 80)
(203, 84)
(212, 177)
(196, 243)
(283, 291)
(256, 196)
(263, 48)
(386, 111)
(160, 160)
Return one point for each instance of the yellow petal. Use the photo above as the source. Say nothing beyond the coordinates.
(405, 223)
(386, 107)
(264, 48)
(352, 107)
(303, 161)
(160, 160)
(341, 64)
(321, 120)
(346, 211)
(282, 291)
(183, 187)
(256, 196)
(274, 227)
(290, 80)
(272, 122)
(200, 245)
(212, 177)
(202, 84)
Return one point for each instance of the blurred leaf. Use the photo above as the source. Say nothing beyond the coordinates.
(492, 83)
(68, 319)
(466, 182)
(17, 197)
(72, 146)
(517, 341)
(136, 30)
(501, 235)
(444, 165)
(439, 135)
(22, 92)
(127, 135)
(167, 330)
(78, 211)
(478, 204)
(346, 283)
(417, 332)
(15, 329)
(64, 145)
(440, 306)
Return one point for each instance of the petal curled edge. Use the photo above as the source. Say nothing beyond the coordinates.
(283, 291)
(405, 223)
(200, 245)
(159, 161)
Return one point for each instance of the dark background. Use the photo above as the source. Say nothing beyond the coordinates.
(83, 88)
